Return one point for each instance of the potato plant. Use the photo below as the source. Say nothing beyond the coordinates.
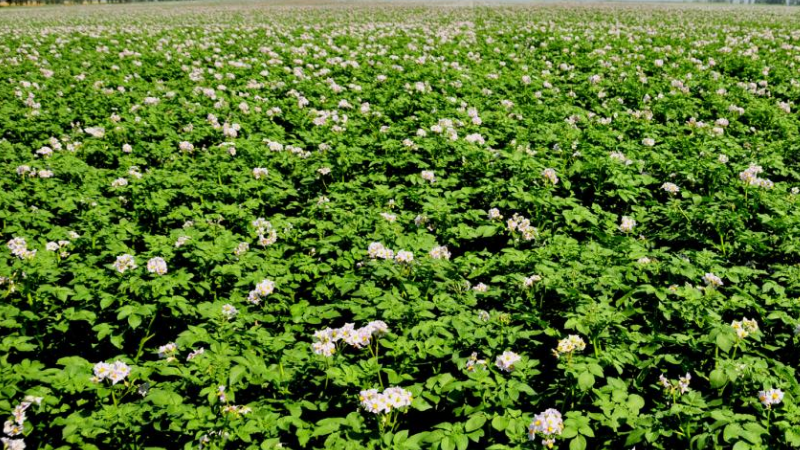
(363, 226)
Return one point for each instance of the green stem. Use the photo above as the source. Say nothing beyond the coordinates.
(147, 337)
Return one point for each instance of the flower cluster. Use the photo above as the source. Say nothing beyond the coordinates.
(744, 327)
(241, 249)
(32, 172)
(480, 287)
(325, 340)
(506, 361)
(672, 188)
(548, 424)
(473, 362)
(377, 250)
(168, 351)
(750, 176)
(181, 241)
(627, 224)
(440, 252)
(229, 311)
(681, 386)
(19, 248)
(404, 256)
(531, 280)
(569, 345)
(260, 172)
(619, 156)
(393, 398)
(236, 410)
(262, 290)
(124, 262)
(429, 176)
(770, 397)
(523, 226)
(550, 175)
(712, 280)
(157, 265)
(17, 426)
(266, 234)
(115, 372)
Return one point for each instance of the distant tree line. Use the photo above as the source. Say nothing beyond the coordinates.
(66, 2)
(759, 2)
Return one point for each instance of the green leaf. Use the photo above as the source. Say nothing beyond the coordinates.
(448, 444)
(725, 341)
(162, 397)
(635, 402)
(717, 378)
(585, 380)
(475, 422)
(500, 423)
(578, 443)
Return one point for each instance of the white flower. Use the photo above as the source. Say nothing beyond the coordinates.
(229, 311)
(13, 429)
(506, 361)
(260, 172)
(186, 146)
(549, 424)
(429, 176)
(440, 252)
(119, 182)
(523, 226)
(157, 265)
(494, 213)
(384, 402)
(744, 327)
(569, 345)
(627, 224)
(377, 250)
(723, 159)
(115, 372)
(550, 175)
(124, 262)
(770, 397)
(389, 217)
(712, 280)
(119, 371)
(126, 148)
(195, 353)
(97, 132)
(241, 249)
(531, 280)
(262, 290)
(19, 248)
(404, 256)
(168, 350)
(475, 138)
(474, 362)
(181, 241)
(648, 142)
(672, 188)
(13, 444)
